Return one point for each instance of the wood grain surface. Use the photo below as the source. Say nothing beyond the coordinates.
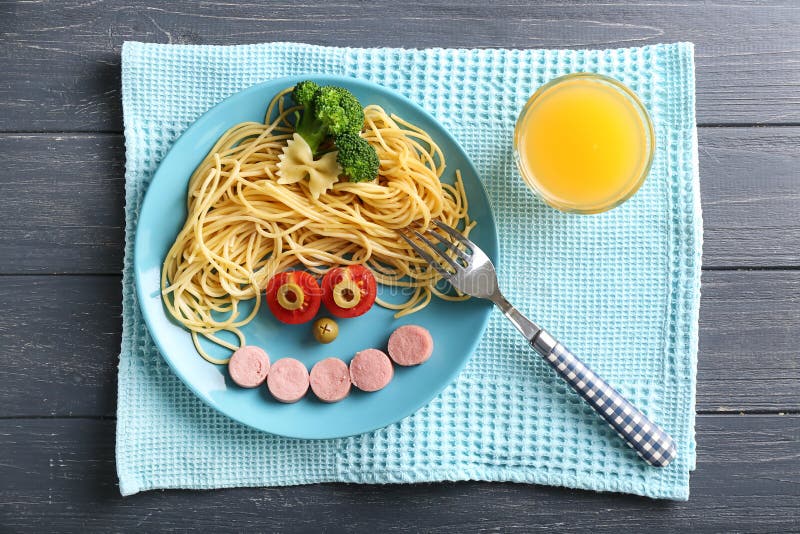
(61, 211)
(63, 470)
(64, 333)
(64, 56)
(61, 248)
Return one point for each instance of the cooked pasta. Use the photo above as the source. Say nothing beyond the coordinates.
(243, 226)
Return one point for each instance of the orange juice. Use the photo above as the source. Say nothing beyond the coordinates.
(584, 143)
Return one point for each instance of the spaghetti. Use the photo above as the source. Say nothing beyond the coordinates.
(242, 226)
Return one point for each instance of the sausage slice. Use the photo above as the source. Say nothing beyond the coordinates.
(330, 380)
(249, 366)
(410, 345)
(288, 380)
(371, 370)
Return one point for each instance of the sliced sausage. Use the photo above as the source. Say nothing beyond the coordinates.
(330, 380)
(410, 345)
(371, 370)
(288, 380)
(249, 366)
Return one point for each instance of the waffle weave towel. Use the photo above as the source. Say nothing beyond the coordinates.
(620, 289)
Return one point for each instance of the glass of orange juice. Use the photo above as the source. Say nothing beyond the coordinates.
(584, 143)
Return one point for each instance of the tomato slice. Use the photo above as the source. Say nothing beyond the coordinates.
(293, 297)
(349, 291)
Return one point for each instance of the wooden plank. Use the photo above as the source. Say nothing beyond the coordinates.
(750, 190)
(748, 341)
(63, 198)
(61, 342)
(63, 201)
(61, 472)
(68, 67)
(61, 338)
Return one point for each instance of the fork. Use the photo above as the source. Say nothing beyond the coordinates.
(471, 272)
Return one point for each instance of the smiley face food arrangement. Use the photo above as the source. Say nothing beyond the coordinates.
(331, 379)
(302, 212)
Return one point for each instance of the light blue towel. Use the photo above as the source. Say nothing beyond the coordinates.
(621, 289)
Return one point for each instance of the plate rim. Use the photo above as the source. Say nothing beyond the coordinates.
(206, 117)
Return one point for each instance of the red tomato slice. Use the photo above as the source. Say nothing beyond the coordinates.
(349, 291)
(293, 297)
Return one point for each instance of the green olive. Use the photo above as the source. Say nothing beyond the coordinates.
(325, 330)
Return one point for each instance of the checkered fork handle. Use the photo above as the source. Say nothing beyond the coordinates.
(649, 441)
(475, 275)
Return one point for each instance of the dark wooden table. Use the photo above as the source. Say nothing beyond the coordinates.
(61, 230)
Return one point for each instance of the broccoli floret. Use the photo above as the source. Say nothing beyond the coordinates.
(357, 157)
(326, 111)
(339, 109)
(303, 93)
(336, 112)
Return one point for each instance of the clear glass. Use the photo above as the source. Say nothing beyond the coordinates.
(631, 185)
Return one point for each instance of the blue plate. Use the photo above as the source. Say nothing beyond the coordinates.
(456, 326)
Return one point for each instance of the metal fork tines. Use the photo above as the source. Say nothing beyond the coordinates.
(470, 271)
